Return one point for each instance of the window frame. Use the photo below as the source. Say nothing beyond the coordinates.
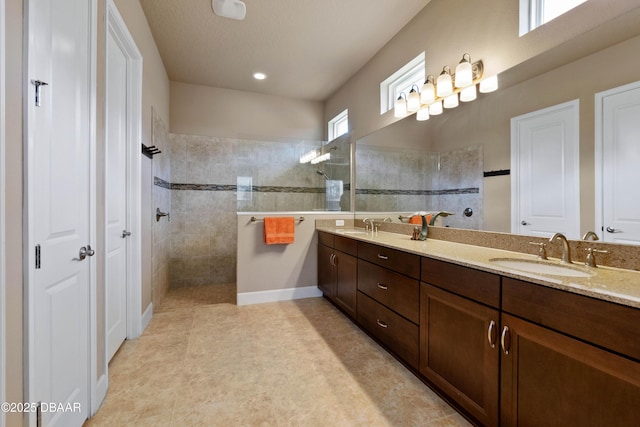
(532, 14)
(413, 72)
(335, 123)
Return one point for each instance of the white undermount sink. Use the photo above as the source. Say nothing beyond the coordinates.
(542, 267)
(352, 232)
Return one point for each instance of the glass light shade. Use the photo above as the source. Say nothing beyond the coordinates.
(464, 72)
(413, 101)
(423, 114)
(451, 101)
(444, 86)
(400, 109)
(428, 93)
(435, 108)
(468, 94)
(489, 84)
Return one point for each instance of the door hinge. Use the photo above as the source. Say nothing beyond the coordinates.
(38, 84)
(39, 415)
(37, 256)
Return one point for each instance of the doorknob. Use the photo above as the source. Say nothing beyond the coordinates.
(524, 223)
(613, 230)
(86, 251)
(125, 234)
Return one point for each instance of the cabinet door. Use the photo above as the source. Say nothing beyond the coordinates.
(346, 283)
(553, 380)
(326, 271)
(459, 351)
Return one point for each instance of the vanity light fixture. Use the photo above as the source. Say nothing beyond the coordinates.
(447, 91)
(321, 158)
(464, 72)
(400, 109)
(444, 87)
(413, 100)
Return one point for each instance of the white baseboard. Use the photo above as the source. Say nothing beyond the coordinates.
(146, 317)
(247, 298)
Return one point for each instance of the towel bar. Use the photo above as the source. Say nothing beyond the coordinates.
(254, 219)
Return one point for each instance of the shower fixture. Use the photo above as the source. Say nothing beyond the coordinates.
(322, 173)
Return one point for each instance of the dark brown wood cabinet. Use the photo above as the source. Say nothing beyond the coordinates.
(506, 351)
(459, 350)
(575, 356)
(337, 271)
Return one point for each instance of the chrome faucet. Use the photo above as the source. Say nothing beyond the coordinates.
(442, 214)
(590, 235)
(371, 221)
(566, 250)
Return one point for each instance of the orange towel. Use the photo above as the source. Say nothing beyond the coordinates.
(417, 219)
(279, 230)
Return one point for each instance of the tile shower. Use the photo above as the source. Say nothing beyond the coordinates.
(213, 178)
(407, 180)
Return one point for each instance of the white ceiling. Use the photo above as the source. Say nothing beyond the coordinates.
(308, 48)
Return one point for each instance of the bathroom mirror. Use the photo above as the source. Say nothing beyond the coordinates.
(483, 127)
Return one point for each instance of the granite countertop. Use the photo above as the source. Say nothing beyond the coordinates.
(606, 283)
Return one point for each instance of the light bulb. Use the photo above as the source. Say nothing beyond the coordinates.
(435, 108)
(489, 84)
(468, 93)
(451, 101)
(423, 114)
(444, 87)
(464, 72)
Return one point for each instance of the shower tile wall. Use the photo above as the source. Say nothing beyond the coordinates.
(204, 198)
(401, 180)
(161, 196)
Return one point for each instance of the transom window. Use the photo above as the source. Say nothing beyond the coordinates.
(413, 73)
(339, 125)
(534, 13)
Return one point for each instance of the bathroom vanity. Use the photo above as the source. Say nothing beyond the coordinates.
(506, 347)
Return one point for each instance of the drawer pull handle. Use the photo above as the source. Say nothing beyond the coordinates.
(383, 287)
(381, 323)
(383, 256)
(491, 334)
(505, 340)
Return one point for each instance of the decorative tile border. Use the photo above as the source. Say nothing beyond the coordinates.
(371, 191)
(497, 173)
(233, 187)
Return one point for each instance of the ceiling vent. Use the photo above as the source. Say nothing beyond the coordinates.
(234, 9)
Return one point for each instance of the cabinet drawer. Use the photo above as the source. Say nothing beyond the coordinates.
(474, 284)
(400, 335)
(399, 293)
(609, 325)
(346, 245)
(392, 259)
(326, 239)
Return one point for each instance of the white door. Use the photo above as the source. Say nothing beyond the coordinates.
(618, 164)
(58, 205)
(545, 187)
(117, 232)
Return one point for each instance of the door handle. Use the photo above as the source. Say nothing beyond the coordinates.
(125, 234)
(491, 334)
(613, 230)
(525, 223)
(86, 251)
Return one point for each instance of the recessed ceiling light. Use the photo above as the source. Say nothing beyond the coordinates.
(259, 76)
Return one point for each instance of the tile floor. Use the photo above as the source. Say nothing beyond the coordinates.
(203, 361)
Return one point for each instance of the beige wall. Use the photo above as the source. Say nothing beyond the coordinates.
(209, 111)
(487, 30)
(155, 95)
(541, 69)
